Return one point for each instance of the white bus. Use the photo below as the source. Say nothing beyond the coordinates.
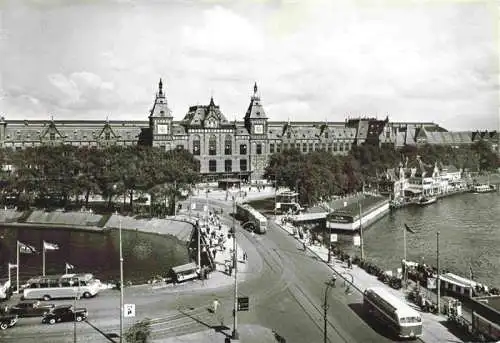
(256, 219)
(61, 286)
(401, 319)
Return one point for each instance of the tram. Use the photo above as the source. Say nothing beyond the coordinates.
(287, 201)
(247, 213)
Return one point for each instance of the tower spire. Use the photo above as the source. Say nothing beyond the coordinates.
(160, 87)
(255, 88)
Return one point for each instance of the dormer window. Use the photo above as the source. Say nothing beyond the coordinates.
(52, 136)
(107, 136)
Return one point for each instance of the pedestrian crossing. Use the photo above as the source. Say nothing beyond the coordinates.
(185, 321)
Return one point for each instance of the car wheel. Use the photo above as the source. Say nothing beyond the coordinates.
(4, 326)
(52, 321)
(87, 295)
(46, 298)
(79, 318)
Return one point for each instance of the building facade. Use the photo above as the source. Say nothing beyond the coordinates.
(225, 149)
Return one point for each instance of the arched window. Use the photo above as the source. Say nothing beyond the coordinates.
(212, 145)
(196, 145)
(228, 145)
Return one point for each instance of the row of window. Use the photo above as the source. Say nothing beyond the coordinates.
(305, 147)
(228, 148)
(228, 165)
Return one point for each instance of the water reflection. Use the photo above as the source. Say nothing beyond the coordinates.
(145, 254)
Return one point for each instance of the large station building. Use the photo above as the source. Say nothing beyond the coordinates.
(228, 149)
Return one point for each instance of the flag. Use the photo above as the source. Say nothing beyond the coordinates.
(69, 266)
(407, 228)
(50, 246)
(25, 248)
(11, 266)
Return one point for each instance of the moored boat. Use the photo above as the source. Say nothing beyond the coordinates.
(427, 200)
(483, 188)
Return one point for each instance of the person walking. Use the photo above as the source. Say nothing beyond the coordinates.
(215, 305)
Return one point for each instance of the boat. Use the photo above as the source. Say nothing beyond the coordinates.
(426, 200)
(483, 188)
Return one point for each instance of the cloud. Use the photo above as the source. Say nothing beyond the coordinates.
(311, 59)
(82, 90)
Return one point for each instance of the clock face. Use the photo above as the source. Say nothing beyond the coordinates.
(162, 129)
(258, 129)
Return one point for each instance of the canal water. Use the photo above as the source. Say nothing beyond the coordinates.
(145, 254)
(469, 227)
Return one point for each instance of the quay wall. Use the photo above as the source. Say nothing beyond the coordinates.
(368, 217)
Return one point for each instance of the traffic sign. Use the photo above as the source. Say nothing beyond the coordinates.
(129, 310)
(243, 303)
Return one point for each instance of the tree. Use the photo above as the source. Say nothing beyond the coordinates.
(140, 332)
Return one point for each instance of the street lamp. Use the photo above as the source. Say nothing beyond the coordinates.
(121, 280)
(330, 283)
(235, 334)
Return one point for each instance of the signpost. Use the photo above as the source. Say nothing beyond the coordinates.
(243, 303)
(129, 310)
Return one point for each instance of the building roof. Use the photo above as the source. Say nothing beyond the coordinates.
(255, 109)
(160, 106)
(36, 130)
(205, 116)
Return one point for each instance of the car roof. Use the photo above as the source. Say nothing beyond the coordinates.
(63, 306)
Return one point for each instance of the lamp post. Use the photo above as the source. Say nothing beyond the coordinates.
(361, 230)
(235, 334)
(330, 283)
(121, 281)
(438, 282)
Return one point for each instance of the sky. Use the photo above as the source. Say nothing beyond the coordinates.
(313, 60)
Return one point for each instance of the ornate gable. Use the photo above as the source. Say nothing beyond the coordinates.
(51, 133)
(205, 116)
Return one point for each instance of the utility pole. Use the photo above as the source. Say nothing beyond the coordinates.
(235, 334)
(438, 279)
(121, 281)
(329, 283)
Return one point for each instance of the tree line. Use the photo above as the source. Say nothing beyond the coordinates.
(319, 175)
(66, 172)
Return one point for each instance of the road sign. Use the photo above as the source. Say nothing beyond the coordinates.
(129, 310)
(243, 303)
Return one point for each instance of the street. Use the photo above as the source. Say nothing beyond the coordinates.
(286, 287)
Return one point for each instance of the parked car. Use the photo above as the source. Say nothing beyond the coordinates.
(30, 308)
(65, 313)
(7, 321)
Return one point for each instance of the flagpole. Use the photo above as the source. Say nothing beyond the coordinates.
(405, 264)
(66, 268)
(10, 282)
(470, 276)
(43, 259)
(17, 269)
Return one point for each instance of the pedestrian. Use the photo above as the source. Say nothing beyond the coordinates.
(215, 305)
(304, 245)
(349, 262)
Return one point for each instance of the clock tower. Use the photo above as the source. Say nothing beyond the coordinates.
(256, 125)
(160, 118)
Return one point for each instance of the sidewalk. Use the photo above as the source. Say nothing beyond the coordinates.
(433, 329)
(245, 193)
(220, 277)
